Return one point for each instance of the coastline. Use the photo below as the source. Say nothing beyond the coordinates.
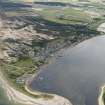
(101, 28)
(102, 89)
(21, 98)
(16, 96)
(100, 98)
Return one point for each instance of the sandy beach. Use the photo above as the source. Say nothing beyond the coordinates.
(18, 97)
(101, 27)
(100, 99)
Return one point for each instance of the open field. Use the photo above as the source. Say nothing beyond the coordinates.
(65, 16)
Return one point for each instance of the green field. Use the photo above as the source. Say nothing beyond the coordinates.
(13, 71)
(65, 16)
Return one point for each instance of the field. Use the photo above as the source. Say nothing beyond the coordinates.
(90, 14)
(65, 16)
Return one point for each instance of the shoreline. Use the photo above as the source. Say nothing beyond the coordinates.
(101, 90)
(21, 98)
(101, 28)
(34, 92)
(100, 98)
